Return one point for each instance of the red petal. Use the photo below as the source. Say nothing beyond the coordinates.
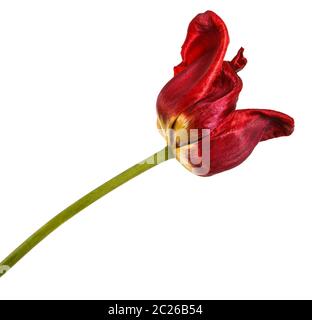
(202, 53)
(221, 101)
(234, 140)
(239, 61)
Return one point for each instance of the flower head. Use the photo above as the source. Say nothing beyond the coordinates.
(202, 96)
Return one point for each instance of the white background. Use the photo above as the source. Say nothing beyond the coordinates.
(78, 85)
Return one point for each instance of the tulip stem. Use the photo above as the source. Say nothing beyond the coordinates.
(82, 203)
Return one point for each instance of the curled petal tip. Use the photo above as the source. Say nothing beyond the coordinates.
(239, 61)
(281, 124)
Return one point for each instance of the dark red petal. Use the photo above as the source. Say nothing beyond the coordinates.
(202, 37)
(221, 101)
(234, 140)
(237, 136)
(239, 61)
(202, 53)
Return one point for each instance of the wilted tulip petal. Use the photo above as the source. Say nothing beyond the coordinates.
(234, 140)
(221, 101)
(202, 53)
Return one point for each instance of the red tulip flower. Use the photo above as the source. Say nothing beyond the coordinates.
(201, 96)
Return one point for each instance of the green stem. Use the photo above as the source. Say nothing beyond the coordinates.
(81, 204)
